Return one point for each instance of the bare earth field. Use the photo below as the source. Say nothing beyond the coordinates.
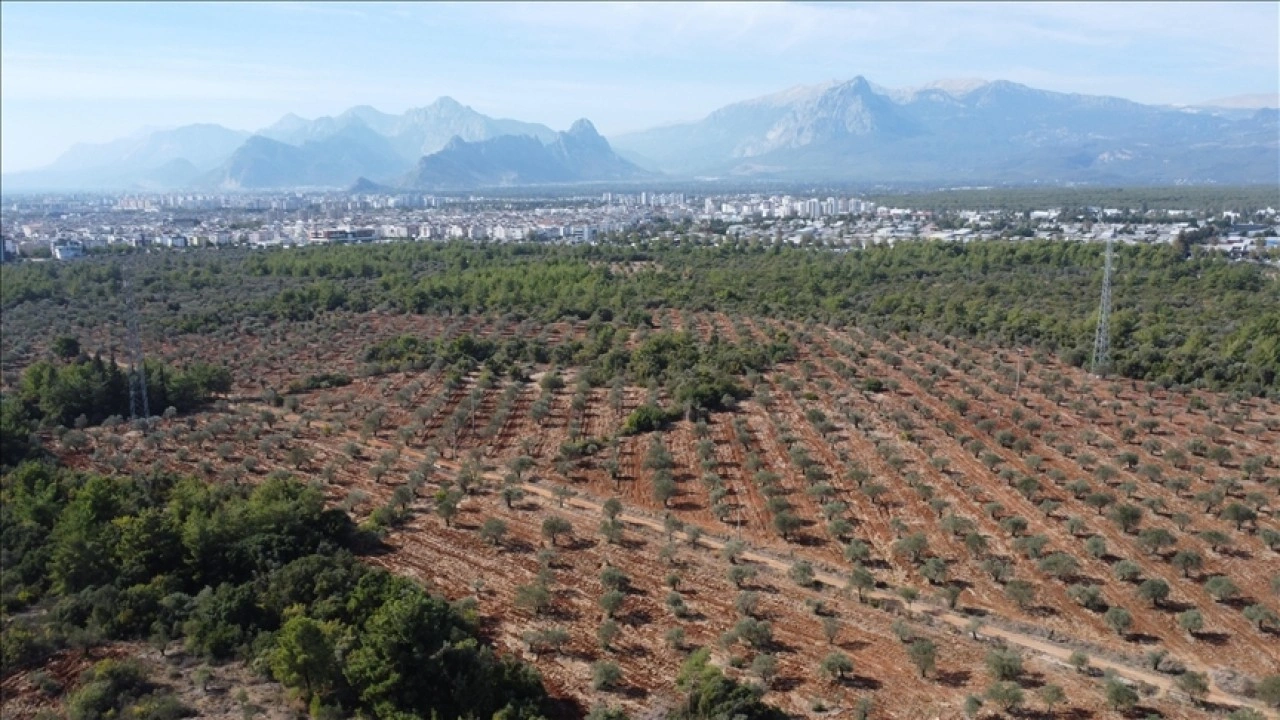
(982, 463)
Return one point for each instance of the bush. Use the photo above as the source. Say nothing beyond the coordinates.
(1006, 694)
(605, 675)
(711, 696)
(836, 665)
(647, 418)
(109, 689)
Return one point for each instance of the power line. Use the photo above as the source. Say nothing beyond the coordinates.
(1102, 339)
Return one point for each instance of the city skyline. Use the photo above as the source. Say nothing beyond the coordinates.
(92, 73)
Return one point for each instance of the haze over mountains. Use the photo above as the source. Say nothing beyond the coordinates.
(854, 131)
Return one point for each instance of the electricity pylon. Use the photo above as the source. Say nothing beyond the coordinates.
(1102, 339)
(139, 405)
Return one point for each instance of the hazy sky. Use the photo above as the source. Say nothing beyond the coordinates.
(96, 71)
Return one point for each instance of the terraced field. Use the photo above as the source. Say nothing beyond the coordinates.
(870, 493)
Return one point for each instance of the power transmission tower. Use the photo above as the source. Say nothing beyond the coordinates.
(139, 406)
(1102, 339)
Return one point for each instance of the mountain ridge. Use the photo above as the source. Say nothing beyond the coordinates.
(846, 131)
(579, 154)
(962, 131)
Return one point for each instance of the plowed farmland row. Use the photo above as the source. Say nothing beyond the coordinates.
(812, 435)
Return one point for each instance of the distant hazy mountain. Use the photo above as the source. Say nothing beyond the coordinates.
(1245, 102)
(334, 161)
(963, 131)
(579, 155)
(419, 131)
(325, 152)
(950, 131)
(146, 160)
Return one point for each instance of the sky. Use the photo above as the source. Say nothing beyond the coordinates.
(93, 72)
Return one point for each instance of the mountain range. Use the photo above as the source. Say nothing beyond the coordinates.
(965, 132)
(852, 131)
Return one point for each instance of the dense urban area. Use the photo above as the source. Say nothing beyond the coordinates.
(65, 227)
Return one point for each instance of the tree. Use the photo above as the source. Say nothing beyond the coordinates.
(830, 629)
(756, 633)
(298, 456)
(611, 530)
(303, 656)
(604, 712)
(1155, 590)
(1191, 622)
(1051, 695)
(202, 676)
(66, 347)
(1261, 616)
(1004, 664)
(857, 551)
(511, 494)
(1221, 588)
(786, 524)
(1193, 684)
(1186, 561)
(1119, 695)
(1154, 539)
(1006, 694)
(923, 654)
(664, 487)
(611, 602)
(493, 531)
(447, 505)
(1059, 565)
(1126, 516)
(606, 633)
(934, 570)
(554, 526)
(765, 667)
(1023, 593)
(862, 580)
(1099, 501)
(1087, 596)
(747, 603)
(519, 466)
(835, 666)
(605, 675)
(1127, 570)
(732, 550)
(1118, 619)
(738, 574)
(802, 574)
(1268, 690)
(536, 598)
(675, 638)
(1096, 546)
(549, 640)
(912, 546)
(1217, 539)
(1238, 514)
